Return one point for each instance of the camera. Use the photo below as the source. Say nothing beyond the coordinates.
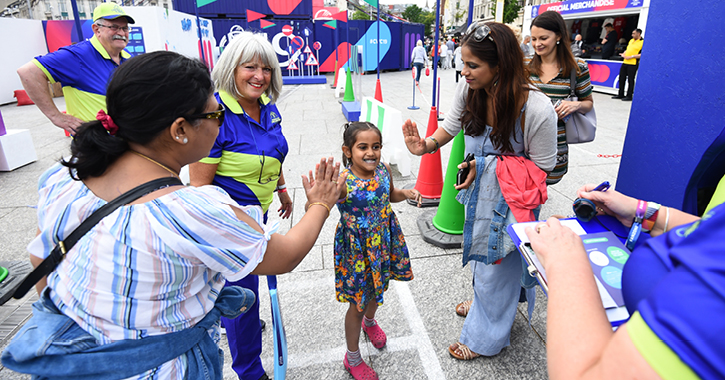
(584, 209)
(463, 173)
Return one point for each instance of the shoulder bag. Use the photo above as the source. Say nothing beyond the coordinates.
(580, 128)
(20, 288)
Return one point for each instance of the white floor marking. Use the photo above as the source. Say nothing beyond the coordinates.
(426, 351)
(417, 341)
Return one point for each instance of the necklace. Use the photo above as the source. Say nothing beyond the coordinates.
(156, 162)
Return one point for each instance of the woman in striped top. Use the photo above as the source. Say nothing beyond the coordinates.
(550, 70)
(147, 279)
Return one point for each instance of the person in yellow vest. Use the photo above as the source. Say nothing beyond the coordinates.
(630, 65)
(84, 69)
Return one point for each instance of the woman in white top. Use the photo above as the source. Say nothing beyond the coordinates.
(151, 273)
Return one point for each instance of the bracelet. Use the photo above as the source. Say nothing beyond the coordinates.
(321, 204)
(667, 219)
(284, 190)
(650, 216)
(281, 187)
(438, 146)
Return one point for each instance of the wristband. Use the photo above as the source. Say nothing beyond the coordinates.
(438, 146)
(284, 190)
(281, 187)
(650, 216)
(636, 225)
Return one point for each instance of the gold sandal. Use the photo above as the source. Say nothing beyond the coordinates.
(463, 308)
(461, 352)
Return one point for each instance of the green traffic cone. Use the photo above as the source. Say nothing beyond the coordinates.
(450, 215)
(349, 95)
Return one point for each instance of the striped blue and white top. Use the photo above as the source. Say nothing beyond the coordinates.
(145, 269)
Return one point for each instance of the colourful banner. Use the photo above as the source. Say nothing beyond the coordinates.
(581, 6)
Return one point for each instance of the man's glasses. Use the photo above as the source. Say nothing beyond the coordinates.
(479, 31)
(263, 158)
(218, 114)
(265, 181)
(116, 28)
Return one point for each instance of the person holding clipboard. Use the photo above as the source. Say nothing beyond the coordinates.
(673, 285)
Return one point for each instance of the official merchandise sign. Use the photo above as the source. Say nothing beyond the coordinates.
(581, 6)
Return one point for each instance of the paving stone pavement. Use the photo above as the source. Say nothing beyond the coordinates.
(418, 316)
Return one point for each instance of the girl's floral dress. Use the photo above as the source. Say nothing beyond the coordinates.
(370, 248)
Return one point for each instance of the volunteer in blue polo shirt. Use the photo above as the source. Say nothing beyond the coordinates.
(83, 69)
(246, 161)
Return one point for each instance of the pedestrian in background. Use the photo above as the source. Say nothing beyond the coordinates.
(419, 60)
(576, 46)
(630, 65)
(526, 46)
(451, 48)
(609, 42)
(457, 58)
(445, 62)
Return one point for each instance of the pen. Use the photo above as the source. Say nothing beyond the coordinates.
(604, 186)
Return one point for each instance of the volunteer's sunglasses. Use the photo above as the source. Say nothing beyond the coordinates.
(218, 114)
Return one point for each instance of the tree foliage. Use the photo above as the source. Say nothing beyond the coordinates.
(360, 15)
(412, 13)
(511, 10)
(428, 19)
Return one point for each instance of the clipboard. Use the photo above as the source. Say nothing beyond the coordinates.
(601, 227)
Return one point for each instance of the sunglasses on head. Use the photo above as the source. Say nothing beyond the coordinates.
(478, 31)
(218, 114)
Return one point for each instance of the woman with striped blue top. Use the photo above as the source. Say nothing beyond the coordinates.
(140, 295)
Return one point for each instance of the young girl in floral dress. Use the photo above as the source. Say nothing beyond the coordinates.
(370, 248)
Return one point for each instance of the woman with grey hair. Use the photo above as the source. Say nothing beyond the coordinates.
(246, 161)
(419, 60)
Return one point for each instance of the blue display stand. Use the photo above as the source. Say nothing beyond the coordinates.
(678, 109)
(351, 110)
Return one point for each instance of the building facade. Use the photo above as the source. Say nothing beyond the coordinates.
(63, 10)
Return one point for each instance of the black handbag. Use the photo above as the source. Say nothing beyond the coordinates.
(18, 289)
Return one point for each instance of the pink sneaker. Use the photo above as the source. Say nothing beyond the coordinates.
(375, 334)
(361, 371)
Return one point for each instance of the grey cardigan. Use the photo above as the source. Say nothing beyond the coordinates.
(539, 125)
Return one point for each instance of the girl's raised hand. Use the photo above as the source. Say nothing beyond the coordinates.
(413, 141)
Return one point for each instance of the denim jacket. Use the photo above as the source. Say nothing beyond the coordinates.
(52, 346)
(486, 212)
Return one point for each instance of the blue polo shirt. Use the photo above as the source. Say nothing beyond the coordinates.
(245, 147)
(678, 324)
(84, 70)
